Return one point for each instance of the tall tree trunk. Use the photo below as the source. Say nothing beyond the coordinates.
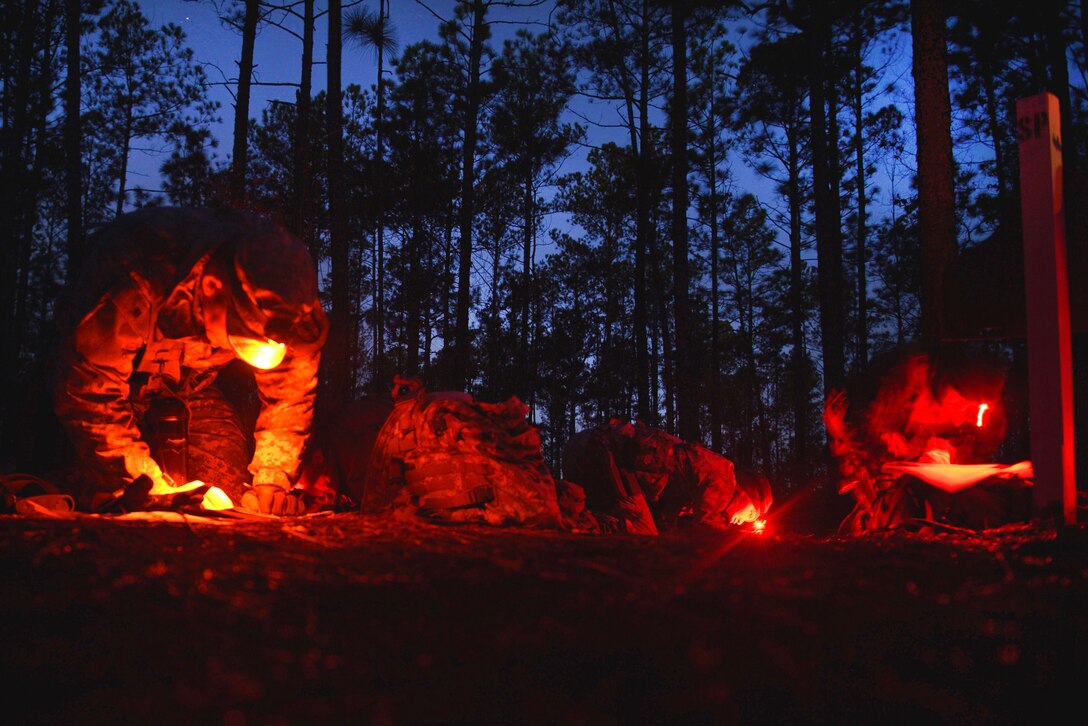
(239, 159)
(1083, 22)
(527, 284)
(643, 382)
(742, 302)
(449, 312)
(339, 347)
(40, 109)
(654, 360)
(828, 242)
(754, 420)
(834, 180)
(686, 396)
(1059, 86)
(73, 157)
(661, 317)
(860, 242)
(638, 128)
(13, 209)
(303, 103)
(379, 192)
(463, 349)
(124, 150)
(997, 134)
(715, 293)
(897, 252)
(413, 307)
(936, 203)
(797, 307)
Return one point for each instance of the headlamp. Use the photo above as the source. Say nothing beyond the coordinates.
(253, 346)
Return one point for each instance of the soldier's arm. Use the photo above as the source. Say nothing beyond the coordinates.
(92, 393)
(285, 421)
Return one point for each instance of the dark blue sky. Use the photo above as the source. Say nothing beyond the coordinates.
(278, 60)
(278, 53)
(278, 57)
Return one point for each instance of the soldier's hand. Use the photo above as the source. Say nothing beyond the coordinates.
(271, 494)
(274, 500)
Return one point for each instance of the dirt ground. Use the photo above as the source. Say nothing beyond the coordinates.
(346, 618)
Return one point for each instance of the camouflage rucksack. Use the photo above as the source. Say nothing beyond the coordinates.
(447, 457)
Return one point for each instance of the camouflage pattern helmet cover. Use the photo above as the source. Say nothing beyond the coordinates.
(274, 289)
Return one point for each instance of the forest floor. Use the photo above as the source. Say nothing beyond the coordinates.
(347, 618)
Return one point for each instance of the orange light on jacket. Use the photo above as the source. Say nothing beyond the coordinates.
(266, 354)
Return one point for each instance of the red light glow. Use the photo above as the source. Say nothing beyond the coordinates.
(982, 409)
(953, 477)
(759, 525)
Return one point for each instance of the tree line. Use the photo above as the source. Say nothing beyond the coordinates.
(884, 133)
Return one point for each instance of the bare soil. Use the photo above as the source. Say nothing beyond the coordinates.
(347, 618)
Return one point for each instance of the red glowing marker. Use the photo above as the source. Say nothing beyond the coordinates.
(982, 409)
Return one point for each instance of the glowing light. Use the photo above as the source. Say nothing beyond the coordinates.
(215, 499)
(266, 354)
(953, 477)
(982, 409)
(162, 487)
(743, 516)
(759, 525)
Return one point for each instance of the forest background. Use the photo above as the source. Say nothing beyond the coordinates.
(702, 215)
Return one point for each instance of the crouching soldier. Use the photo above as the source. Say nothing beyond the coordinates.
(439, 456)
(446, 457)
(653, 481)
(168, 298)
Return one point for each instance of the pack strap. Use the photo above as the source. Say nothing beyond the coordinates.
(453, 499)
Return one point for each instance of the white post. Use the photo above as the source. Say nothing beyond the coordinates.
(1046, 278)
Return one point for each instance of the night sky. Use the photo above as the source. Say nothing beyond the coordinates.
(278, 54)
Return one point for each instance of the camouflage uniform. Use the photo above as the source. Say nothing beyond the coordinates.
(652, 480)
(135, 334)
(445, 456)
